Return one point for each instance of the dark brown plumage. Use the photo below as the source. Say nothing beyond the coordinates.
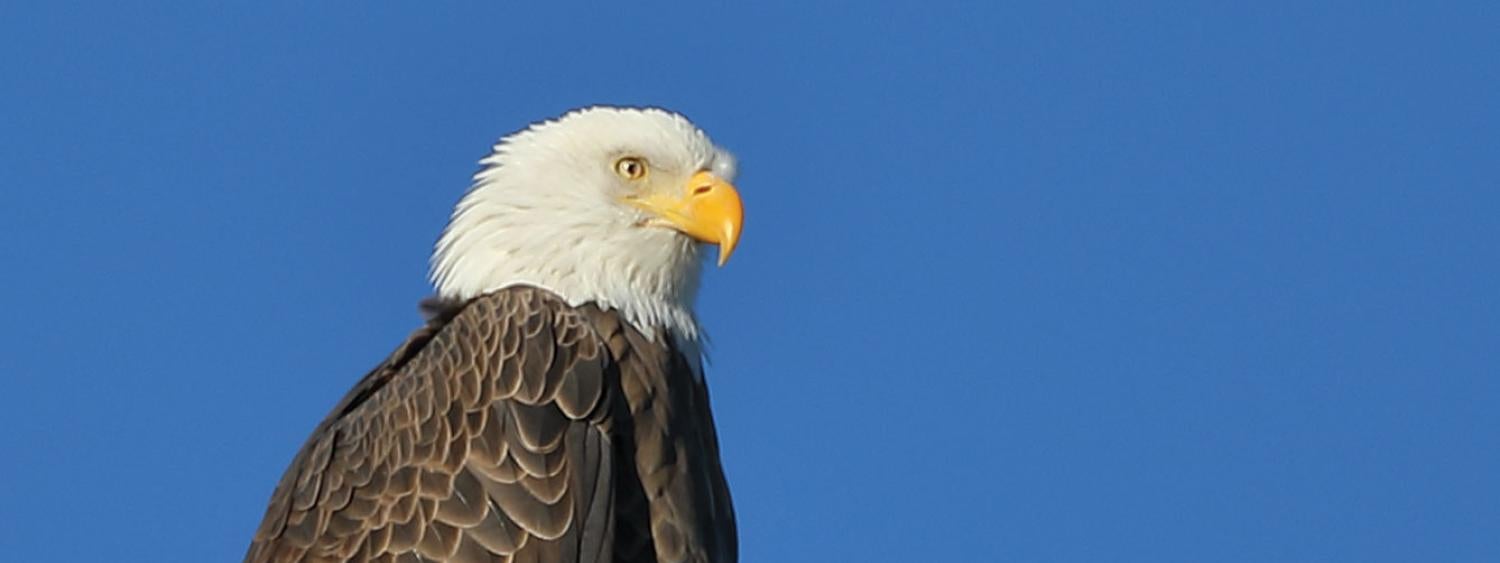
(513, 428)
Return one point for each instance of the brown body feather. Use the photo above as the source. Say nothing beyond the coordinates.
(511, 428)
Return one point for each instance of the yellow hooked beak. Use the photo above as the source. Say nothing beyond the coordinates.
(708, 209)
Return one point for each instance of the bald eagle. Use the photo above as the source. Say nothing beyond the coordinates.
(553, 407)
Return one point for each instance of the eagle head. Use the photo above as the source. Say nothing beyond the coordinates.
(605, 205)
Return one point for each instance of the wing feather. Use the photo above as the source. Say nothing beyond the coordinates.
(484, 436)
(512, 428)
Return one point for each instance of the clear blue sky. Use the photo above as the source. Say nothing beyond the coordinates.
(1156, 283)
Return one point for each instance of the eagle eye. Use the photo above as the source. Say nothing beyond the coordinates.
(630, 168)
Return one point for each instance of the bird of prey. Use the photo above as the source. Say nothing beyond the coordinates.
(553, 407)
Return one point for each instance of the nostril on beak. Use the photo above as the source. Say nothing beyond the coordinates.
(700, 190)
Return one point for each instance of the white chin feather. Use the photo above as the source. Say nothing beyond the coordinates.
(545, 210)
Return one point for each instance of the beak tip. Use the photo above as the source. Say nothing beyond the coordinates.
(727, 244)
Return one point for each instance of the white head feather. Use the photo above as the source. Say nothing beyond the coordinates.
(546, 210)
